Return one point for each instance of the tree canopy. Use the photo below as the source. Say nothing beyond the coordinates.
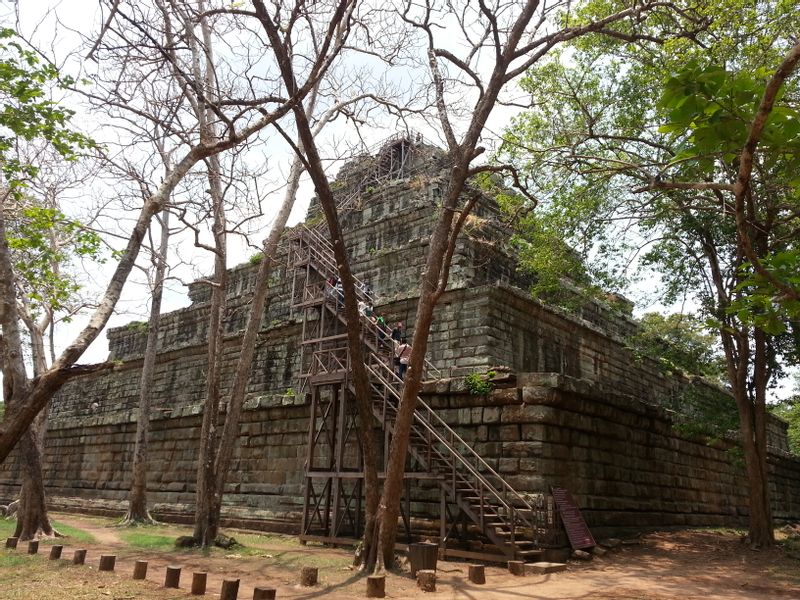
(677, 158)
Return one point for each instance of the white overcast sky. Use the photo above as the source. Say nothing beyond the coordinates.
(51, 26)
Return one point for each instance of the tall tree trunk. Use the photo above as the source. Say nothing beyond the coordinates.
(137, 503)
(209, 496)
(32, 518)
(752, 416)
(358, 373)
(437, 267)
(313, 164)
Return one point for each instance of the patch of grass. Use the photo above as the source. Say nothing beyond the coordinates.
(9, 560)
(23, 577)
(148, 539)
(266, 539)
(7, 527)
(73, 534)
(292, 560)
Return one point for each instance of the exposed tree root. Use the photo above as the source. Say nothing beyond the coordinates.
(131, 520)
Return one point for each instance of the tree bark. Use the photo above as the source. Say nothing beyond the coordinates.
(32, 518)
(313, 165)
(752, 418)
(258, 305)
(137, 503)
(209, 496)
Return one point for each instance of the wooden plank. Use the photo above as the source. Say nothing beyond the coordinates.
(472, 555)
(331, 377)
(577, 530)
(360, 475)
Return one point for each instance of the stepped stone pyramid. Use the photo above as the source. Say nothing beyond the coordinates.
(572, 406)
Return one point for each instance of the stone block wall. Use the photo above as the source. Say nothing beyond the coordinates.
(594, 419)
(89, 465)
(622, 459)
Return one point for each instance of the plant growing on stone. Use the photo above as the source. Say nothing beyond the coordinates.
(679, 342)
(480, 384)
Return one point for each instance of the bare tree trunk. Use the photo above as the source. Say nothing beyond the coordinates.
(137, 504)
(389, 508)
(355, 345)
(32, 518)
(209, 496)
(258, 304)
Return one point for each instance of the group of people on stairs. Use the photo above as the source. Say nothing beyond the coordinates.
(402, 349)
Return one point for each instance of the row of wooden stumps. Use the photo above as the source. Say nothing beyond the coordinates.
(107, 561)
(426, 580)
(230, 587)
(423, 558)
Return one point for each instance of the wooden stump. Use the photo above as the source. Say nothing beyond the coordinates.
(199, 583)
(477, 574)
(172, 579)
(140, 569)
(426, 580)
(376, 586)
(422, 556)
(107, 562)
(79, 557)
(308, 576)
(516, 567)
(33, 547)
(55, 552)
(12, 542)
(262, 593)
(230, 589)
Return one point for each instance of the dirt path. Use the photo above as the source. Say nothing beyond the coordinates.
(687, 565)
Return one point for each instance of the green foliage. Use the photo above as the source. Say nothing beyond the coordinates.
(480, 384)
(43, 241)
(256, 258)
(709, 110)
(679, 342)
(760, 303)
(704, 412)
(137, 326)
(610, 118)
(26, 111)
(789, 411)
(2, 410)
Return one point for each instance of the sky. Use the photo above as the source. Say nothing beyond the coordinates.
(56, 27)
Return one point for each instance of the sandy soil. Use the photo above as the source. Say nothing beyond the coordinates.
(683, 565)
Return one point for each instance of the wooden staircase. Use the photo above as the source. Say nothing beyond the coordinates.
(504, 517)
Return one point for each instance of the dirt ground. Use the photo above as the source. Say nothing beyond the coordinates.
(683, 565)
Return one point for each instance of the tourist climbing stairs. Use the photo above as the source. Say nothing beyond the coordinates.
(505, 517)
